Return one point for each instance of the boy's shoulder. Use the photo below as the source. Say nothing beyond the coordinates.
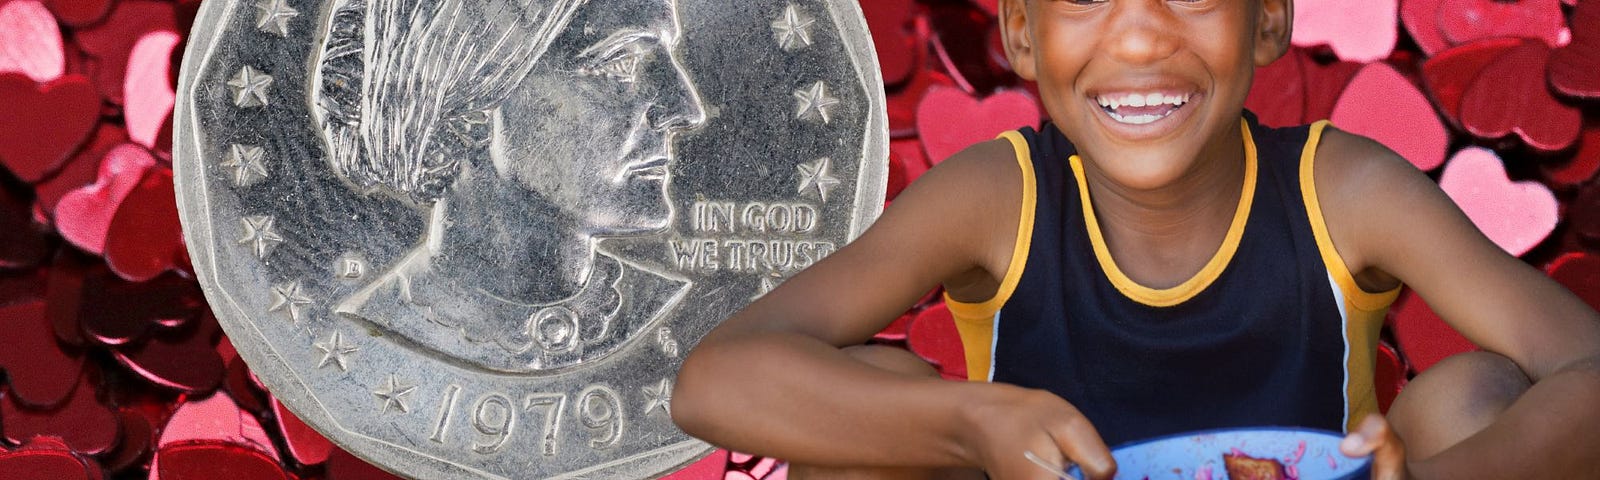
(1366, 191)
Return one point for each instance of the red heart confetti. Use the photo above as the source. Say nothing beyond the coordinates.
(80, 170)
(1515, 215)
(933, 336)
(186, 363)
(146, 89)
(46, 458)
(27, 244)
(138, 437)
(1464, 21)
(305, 445)
(1361, 31)
(84, 216)
(40, 372)
(215, 419)
(1298, 89)
(82, 422)
(81, 13)
(1509, 97)
(1580, 273)
(982, 119)
(144, 239)
(42, 124)
(894, 25)
(1583, 164)
(1449, 74)
(30, 41)
(714, 465)
(1421, 19)
(1424, 336)
(118, 312)
(1379, 98)
(110, 42)
(1389, 377)
(344, 466)
(240, 385)
(1583, 220)
(212, 460)
(1573, 67)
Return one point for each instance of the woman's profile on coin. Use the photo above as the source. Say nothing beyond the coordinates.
(524, 131)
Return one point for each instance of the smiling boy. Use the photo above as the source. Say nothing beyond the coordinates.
(1153, 261)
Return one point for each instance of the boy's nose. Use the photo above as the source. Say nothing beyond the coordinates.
(1142, 31)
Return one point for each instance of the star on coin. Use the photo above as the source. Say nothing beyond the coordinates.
(658, 396)
(814, 103)
(334, 351)
(817, 176)
(245, 160)
(288, 297)
(258, 234)
(274, 17)
(393, 395)
(793, 29)
(250, 87)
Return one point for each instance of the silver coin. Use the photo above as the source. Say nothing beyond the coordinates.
(476, 238)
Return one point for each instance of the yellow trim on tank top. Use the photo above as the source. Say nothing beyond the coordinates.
(1359, 297)
(1194, 285)
(975, 321)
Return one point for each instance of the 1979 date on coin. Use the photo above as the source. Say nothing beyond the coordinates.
(495, 418)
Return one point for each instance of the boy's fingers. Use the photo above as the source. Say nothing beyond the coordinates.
(1376, 438)
(1083, 446)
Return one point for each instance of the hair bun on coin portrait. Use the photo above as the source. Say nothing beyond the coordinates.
(523, 131)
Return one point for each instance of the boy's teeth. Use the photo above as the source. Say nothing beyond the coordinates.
(1141, 100)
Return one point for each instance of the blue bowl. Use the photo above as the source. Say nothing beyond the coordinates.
(1313, 453)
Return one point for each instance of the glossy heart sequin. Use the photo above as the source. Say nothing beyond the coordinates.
(1580, 273)
(1361, 30)
(1464, 21)
(182, 361)
(1380, 98)
(306, 445)
(42, 124)
(40, 372)
(1449, 74)
(82, 422)
(933, 336)
(1509, 98)
(110, 43)
(84, 216)
(981, 119)
(30, 41)
(1573, 67)
(144, 238)
(1424, 336)
(213, 460)
(1581, 166)
(1515, 215)
(147, 92)
(80, 13)
(47, 458)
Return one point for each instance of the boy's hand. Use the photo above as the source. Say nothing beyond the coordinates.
(1018, 420)
(1375, 437)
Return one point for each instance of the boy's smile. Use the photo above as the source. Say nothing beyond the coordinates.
(1146, 89)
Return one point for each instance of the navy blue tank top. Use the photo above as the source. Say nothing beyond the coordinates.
(1272, 331)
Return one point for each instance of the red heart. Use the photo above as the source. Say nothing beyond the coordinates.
(117, 312)
(904, 101)
(344, 466)
(111, 42)
(1361, 31)
(949, 120)
(1573, 67)
(215, 419)
(144, 238)
(1448, 74)
(962, 46)
(42, 124)
(84, 216)
(30, 41)
(147, 92)
(1296, 89)
(934, 338)
(1510, 96)
(1583, 164)
(212, 460)
(897, 32)
(1583, 220)
(26, 243)
(183, 361)
(1516, 215)
(80, 13)
(1421, 19)
(1580, 273)
(241, 384)
(714, 466)
(80, 170)
(1389, 377)
(1380, 98)
(83, 423)
(40, 372)
(138, 436)
(306, 445)
(1424, 337)
(45, 458)
(1463, 21)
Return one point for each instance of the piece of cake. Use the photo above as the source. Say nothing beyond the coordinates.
(1245, 467)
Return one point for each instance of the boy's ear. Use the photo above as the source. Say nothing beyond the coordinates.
(1017, 40)
(1274, 29)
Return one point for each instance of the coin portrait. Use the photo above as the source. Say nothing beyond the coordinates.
(468, 239)
(538, 144)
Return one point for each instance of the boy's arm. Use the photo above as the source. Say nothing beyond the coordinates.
(1386, 215)
(772, 379)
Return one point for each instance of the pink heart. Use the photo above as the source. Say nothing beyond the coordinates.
(934, 338)
(41, 124)
(147, 92)
(83, 216)
(950, 120)
(1463, 21)
(30, 41)
(1380, 98)
(215, 418)
(1360, 30)
(144, 238)
(1515, 215)
(1421, 20)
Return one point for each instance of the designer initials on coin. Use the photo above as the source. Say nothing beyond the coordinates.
(475, 238)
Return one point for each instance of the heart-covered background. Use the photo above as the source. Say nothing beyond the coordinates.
(114, 368)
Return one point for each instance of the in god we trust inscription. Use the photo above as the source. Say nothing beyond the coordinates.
(475, 238)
